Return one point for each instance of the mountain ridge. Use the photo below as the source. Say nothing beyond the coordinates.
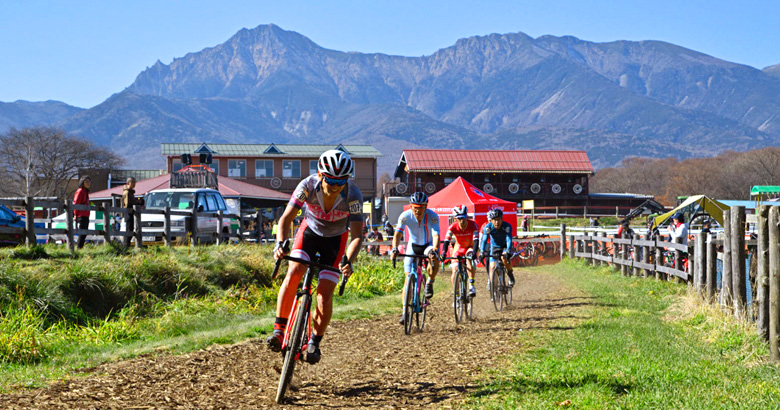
(498, 89)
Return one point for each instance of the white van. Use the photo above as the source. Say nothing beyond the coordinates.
(186, 199)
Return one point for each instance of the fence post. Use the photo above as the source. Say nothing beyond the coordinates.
(624, 256)
(194, 227)
(598, 247)
(712, 268)
(572, 246)
(725, 280)
(69, 223)
(774, 281)
(167, 227)
(29, 222)
(637, 251)
(699, 265)
(259, 225)
(762, 274)
(738, 260)
(585, 212)
(240, 228)
(220, 218)
(106, 224)
(563, 240)
(589, 250)
(556, 212)
(659, 260)
(139, 238)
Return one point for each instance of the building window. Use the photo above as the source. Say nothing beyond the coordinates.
(264, 168)
(237, 168)
(177, 165)
(419, 184)
(312, 167)
(448, 180)
(291, 169)
(214, 165)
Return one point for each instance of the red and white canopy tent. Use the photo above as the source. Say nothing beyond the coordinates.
(460, 192)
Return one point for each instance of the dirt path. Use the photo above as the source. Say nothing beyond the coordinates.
(365, 363)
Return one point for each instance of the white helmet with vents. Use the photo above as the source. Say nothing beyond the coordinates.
(335, 163)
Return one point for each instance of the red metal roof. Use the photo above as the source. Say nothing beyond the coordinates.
(227, 187)
(443, 160)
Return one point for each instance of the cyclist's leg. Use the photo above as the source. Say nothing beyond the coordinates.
(331, 251)
(509, 272)
(288, 289)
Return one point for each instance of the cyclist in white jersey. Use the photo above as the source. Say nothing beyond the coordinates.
(333, 204)
(423, 227)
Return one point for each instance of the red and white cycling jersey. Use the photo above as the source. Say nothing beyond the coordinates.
(464, 238)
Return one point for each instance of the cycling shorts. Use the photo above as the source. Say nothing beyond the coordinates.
(422, 250)
(331, 249)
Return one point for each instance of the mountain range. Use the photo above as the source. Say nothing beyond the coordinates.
(616, 99)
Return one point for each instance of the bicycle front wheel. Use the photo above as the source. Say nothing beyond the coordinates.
(423, 303)
(495, 291)
(409, 304)
(507, 290)
(294, 346)
(457, 298)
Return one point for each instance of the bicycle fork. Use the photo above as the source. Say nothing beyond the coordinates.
(288, 330)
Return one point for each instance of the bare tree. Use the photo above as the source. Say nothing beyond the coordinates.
(39, 161)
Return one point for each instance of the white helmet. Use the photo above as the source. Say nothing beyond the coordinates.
(460, 212)
(335, 163)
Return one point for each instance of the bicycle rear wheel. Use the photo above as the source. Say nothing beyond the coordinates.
(294, 346)
(457, 298)
(409, 304)
(495, 292)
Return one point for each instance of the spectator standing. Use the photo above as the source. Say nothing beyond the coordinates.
(129, 201)
(524, 226)
(594, 222)
(82, 198)
(678, 228)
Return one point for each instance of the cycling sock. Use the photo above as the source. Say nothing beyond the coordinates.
(316, 339)
(280, 323)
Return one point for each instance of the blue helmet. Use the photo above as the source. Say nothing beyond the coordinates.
(495, 213)
(418, 198)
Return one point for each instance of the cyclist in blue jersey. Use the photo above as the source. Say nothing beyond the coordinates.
(423, 227)
(500, 235)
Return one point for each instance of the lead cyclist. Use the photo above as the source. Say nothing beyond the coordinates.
(465, 233)
(333, 202)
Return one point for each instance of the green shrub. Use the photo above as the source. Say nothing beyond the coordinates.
(22, 335)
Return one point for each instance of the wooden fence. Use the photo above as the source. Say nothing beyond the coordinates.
(191, 230)
(739, 283)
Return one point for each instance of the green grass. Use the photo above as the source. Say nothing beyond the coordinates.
(578, 222)
(60, 312)
(638, 344)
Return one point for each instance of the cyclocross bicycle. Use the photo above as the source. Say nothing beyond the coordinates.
(462, 301)
(415, 302)
(500, 292)
(298, 332)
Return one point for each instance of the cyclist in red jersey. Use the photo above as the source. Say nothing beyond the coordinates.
(466, 233)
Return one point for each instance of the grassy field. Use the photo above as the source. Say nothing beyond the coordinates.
(637, 344)
(60, 312)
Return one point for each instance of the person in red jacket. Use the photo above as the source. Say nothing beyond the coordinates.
(82, 198)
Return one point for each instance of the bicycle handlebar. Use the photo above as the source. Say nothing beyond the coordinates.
(409, 256)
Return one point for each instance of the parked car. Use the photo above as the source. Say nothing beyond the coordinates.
(185, 199)
(10, 219)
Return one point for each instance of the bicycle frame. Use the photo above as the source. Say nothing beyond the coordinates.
(415, 277)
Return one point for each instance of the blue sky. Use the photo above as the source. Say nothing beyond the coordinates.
(81, 52)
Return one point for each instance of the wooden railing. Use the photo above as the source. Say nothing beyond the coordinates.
(193, 233)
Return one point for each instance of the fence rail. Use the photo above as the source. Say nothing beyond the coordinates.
(191, 229)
